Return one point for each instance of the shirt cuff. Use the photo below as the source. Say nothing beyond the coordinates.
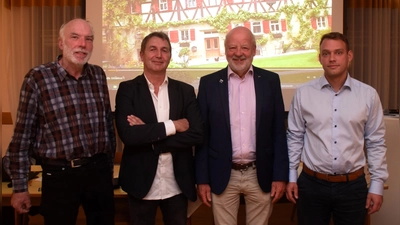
(169, 128)
(20, 185)
(376, 187)
(293, 175)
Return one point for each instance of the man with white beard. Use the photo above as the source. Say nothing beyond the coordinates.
(64, 121)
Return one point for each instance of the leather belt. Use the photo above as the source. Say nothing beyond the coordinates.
(243, 167)
(334, 178)
(75, 163)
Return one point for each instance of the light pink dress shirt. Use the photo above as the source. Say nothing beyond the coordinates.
(242, 111)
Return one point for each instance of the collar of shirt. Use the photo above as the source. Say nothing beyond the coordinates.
(231, 73)
(63, 73)
(151, 86)
(323, 82)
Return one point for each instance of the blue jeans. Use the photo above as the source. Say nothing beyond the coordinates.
(143, 212)
(320, 200)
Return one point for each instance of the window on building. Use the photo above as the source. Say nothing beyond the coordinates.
(212, 2)
(210, 32)
(212, 43)
(191, 3)
(163, 5)
(256, 27)
(275, 26)
(321, 22)
(208, 43)
(184, 35)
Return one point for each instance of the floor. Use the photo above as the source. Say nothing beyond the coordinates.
(281, 215)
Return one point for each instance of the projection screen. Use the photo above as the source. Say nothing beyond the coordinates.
(287, 33)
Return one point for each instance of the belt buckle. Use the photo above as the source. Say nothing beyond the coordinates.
(244, 169)
(327, 177)
(73, 163)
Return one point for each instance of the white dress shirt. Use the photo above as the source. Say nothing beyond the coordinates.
(164, 185)
(327, 130)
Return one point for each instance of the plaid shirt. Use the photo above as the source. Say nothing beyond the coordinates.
(60, 117)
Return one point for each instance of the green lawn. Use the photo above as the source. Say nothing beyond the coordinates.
(292, 69)
(299, 60)
(303, 60)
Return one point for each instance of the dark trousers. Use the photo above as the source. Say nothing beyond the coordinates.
(64, 189)
(320, 200)
(174, 210)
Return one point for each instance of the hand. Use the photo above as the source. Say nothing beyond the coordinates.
(181, 125)
(292, 192)
(21, 202)
(277, 190)
(374, 202)
(204, 192)
(133, 120)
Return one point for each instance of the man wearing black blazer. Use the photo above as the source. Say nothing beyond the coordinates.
(158, 120)
(244, 149)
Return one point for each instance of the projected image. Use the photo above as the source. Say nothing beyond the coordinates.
(287, 35)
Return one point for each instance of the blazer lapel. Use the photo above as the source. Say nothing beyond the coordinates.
(146, 99)
(173, 96)
(223, 91)
(259, 95)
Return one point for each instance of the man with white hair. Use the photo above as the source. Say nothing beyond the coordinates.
(64, 120)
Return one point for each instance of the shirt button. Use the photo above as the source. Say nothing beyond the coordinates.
(335, 110)
(335, 125)
(334, 142)
(335, 158)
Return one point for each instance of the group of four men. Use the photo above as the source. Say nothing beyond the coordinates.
(237, 123)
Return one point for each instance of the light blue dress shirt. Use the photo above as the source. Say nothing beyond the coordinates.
(327, 130)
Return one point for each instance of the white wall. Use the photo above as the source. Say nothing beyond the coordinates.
(389, 213)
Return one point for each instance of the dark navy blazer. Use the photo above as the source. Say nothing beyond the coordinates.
(214, 156)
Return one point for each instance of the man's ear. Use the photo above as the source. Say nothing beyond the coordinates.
(60, 43)
(319, 58)
(350, 55)
(350, 58)
(141, 56)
